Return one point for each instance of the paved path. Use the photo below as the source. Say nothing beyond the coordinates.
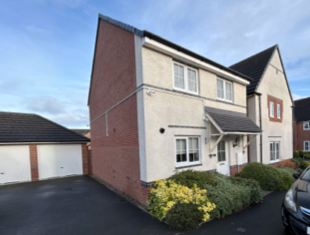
(80, 205)
(75, 205)
(261, 219)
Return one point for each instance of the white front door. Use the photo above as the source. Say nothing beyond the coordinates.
(222, 158)
(59, 160)
(14, 164)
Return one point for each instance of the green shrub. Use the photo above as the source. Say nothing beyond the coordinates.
(307, 155)
(189, 177)
(296, 154)
(289, 171)
(184, 217)
(268, 177)
(301, 165)
(167, 193)
(253, 185)
(227, 196)
(300, 154)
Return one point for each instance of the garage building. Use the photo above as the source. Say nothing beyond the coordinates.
(34, 148)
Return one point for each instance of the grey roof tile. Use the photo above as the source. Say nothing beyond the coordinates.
(230, 121)
(254, 67)
(24, 127)
(302, 109)
(81, 131)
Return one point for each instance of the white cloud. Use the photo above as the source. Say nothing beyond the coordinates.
(47, 105)
(297, 97)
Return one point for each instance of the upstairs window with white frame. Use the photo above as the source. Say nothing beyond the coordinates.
(307, 146)
(271, 109)
(185, 78)
(224, 90)
(274, 151)
(187, 151)
(307, 125)
(278, 111)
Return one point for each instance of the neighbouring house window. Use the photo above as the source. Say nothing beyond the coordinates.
(224, 90)
(274, 151)
(278, 111)
(306, 145)
(187, 150)
(306, 125)
(271, 109)
(185, 78)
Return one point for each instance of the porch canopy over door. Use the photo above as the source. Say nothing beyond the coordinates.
(230, 123)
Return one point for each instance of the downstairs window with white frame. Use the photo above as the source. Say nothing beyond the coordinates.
(274, 151)
(307, 146)
(187, 151)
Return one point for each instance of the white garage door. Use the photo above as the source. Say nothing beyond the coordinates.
(59, 160)
(14, 164)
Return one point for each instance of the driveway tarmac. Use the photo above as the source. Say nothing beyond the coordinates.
(81, 205)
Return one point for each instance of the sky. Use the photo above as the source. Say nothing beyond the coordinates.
(47, 46)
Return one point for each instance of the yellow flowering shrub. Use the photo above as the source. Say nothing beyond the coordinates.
(168, 193)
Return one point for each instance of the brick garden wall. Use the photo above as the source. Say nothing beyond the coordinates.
(114, 141)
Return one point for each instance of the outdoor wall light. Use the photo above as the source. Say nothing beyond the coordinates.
(236, 143)
(150, 92)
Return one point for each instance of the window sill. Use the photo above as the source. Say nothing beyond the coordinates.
(185, 166)
(225, 101)
(274, 161)
(185, 92)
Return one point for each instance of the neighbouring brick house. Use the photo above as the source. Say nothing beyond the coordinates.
(302, 124)
(33, 148)
(156, 107)
(269, 105)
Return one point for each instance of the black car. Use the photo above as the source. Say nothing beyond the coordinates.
(296, 204)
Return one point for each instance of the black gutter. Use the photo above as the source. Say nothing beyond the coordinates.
(192, 54)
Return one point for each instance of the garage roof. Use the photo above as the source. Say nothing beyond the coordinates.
(24, 127)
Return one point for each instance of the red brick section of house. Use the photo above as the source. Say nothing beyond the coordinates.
(300, 135)
(234, 170)
(275, 103)
(114, 141)
(277, 164)
(34, 162)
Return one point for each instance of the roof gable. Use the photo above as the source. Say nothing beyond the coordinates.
(145, 33)
(255, 67)
(302, 109)
(24, 127)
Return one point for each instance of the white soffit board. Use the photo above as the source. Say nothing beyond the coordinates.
(188, 59)
(59, 160)
(14, 164)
